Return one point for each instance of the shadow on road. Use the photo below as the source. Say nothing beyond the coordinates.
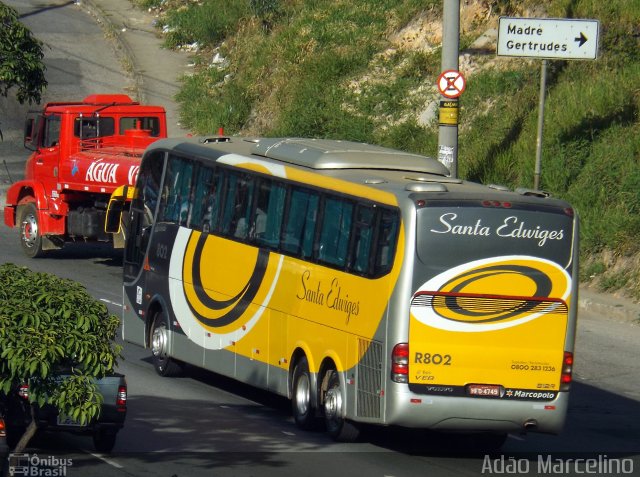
(193, 437)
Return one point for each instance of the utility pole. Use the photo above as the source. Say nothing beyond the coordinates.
(448, 129)
(543, 87)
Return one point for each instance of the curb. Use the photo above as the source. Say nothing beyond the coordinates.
(609, 305)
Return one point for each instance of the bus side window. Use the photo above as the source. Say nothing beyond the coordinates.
(176, 197)
(299, 229)
(204, 199)
(336, 230)
(386, 246)
(267, 219)
(237, 206)
(365, 218)
(186, 192)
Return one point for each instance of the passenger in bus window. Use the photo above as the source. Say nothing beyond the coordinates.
(260, 221)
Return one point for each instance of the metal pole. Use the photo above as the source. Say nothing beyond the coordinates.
(543, 89)
(448, 134)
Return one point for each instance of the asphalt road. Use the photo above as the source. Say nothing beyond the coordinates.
(79, 62)
(205, 425)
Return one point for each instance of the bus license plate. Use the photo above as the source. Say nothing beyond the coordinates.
(485, 390)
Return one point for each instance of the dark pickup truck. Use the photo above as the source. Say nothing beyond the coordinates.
(103, 429)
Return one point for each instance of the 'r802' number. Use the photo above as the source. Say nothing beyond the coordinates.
(435, 358)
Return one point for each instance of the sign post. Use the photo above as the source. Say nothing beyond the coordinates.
(548, 39)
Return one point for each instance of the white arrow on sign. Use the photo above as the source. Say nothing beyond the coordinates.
(550, 38)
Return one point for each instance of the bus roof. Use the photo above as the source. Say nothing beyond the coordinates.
(318, 154)
(379, 167)
(335, 154)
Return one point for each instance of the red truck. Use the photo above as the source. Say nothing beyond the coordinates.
(82, 151)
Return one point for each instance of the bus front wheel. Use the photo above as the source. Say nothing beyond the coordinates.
(338, 427)
(301, 402)
(162, 362)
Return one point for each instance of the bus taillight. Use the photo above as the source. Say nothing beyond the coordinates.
(400, 363)
(567, 370)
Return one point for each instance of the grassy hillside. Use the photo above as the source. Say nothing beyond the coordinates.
(366, 71)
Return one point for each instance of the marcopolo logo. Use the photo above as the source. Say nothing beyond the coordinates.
(471, 297)
(38, 466)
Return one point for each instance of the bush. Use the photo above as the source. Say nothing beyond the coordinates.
(51, 327)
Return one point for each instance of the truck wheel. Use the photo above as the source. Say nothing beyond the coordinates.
(164, 364)
(104, 440)
(30, 237)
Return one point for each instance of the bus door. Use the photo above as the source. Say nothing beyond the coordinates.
(490, 308)
(141, 217)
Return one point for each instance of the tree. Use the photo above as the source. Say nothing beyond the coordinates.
(58, 339)
(21, 57)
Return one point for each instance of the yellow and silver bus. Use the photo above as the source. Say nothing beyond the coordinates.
(361, 282)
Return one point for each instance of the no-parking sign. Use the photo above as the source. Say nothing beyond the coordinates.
(451, 84)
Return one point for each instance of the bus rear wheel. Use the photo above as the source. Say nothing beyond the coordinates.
(339, 428)
(301, 402)
(162, 362)
(30, 238)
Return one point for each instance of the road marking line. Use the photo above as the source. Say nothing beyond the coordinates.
(105, 460)
(111, 302)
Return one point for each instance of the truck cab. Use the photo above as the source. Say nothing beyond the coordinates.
(81, 152)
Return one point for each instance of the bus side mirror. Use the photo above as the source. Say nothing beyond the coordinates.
(113, 219)
(114, 216)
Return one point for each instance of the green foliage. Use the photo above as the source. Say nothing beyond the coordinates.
(207, 22)
(267, 11)
(49, 328)
(330, 69)
(21, 55)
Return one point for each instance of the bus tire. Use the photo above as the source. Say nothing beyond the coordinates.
(303, 411)
(162, 362)
(339, 428)
(30, 238)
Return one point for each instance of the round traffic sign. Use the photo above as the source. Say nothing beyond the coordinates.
(451, 83)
